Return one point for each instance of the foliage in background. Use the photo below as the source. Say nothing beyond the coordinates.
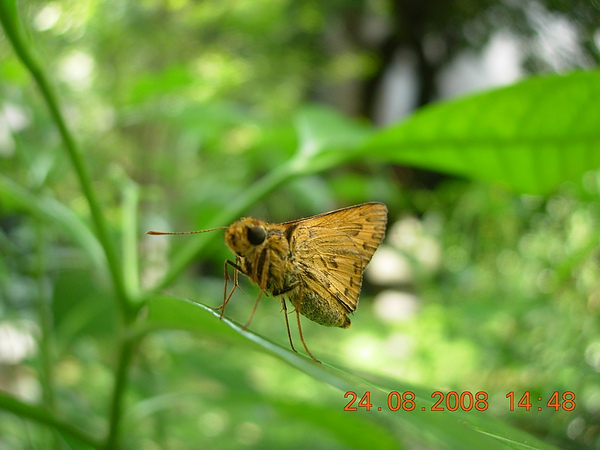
(196, 140)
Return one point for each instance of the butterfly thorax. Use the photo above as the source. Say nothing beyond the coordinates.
(263, 253)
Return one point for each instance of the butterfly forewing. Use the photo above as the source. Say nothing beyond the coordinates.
(332, 250)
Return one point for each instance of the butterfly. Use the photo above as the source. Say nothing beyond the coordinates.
(315, 263)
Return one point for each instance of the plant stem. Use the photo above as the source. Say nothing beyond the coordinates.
(14, 31)
(126, 346)
(129, 231)
(46, 341)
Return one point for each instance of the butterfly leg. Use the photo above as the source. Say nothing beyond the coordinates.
(227, 297)
(302, 336)
(287, 324)
(297, 310)
(262, 283)
(253, 310)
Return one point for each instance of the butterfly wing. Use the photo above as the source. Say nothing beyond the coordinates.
(332, 250)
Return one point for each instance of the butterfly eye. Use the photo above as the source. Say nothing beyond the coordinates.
(256, 235)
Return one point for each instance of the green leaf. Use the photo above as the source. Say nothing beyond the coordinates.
(165, 312)
(326, 139)
(320, 128)
(531, 136)
(444, 429)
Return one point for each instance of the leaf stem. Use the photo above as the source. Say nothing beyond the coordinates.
(129, 244)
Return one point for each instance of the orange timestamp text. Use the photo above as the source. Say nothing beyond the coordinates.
(464, 401)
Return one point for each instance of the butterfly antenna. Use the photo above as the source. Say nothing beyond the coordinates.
(161, 233)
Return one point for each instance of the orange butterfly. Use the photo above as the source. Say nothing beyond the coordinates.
(315, 263)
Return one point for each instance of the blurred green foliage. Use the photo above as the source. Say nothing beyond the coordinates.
(188, 115)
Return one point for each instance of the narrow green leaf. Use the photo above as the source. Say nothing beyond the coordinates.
(531, 136)
(50, 210)
(232, 211)
(44, 417)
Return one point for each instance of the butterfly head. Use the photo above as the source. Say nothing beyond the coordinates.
(246, 236)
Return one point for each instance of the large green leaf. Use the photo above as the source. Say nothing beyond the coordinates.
(531, 136)
(444, 429)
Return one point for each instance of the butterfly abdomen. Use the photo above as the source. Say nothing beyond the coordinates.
(318, 309)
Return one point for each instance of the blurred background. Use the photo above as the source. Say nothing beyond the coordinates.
(181, 106)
